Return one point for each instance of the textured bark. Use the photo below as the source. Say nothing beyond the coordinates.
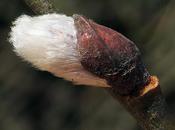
(149, 108)
(40, 6)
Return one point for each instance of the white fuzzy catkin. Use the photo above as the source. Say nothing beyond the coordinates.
(49, 42)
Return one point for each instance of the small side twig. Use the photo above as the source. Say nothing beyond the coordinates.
(40, 6)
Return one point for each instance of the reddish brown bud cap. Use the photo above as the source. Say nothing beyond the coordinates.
(109, 55)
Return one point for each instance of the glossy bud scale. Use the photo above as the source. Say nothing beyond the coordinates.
(109, 55)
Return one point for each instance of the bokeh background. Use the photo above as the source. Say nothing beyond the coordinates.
(35, 100)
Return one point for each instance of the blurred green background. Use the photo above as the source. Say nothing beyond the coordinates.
(35, 100)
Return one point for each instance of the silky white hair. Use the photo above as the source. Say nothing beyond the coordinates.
(49, 42)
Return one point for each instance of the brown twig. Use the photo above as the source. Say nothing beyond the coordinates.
(147, 104)
(149, 108)
(40, 6)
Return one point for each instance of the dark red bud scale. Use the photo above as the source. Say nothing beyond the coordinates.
(110, 55)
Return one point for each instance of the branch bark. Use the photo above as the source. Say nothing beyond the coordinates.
(40, 6)
(149, 107)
